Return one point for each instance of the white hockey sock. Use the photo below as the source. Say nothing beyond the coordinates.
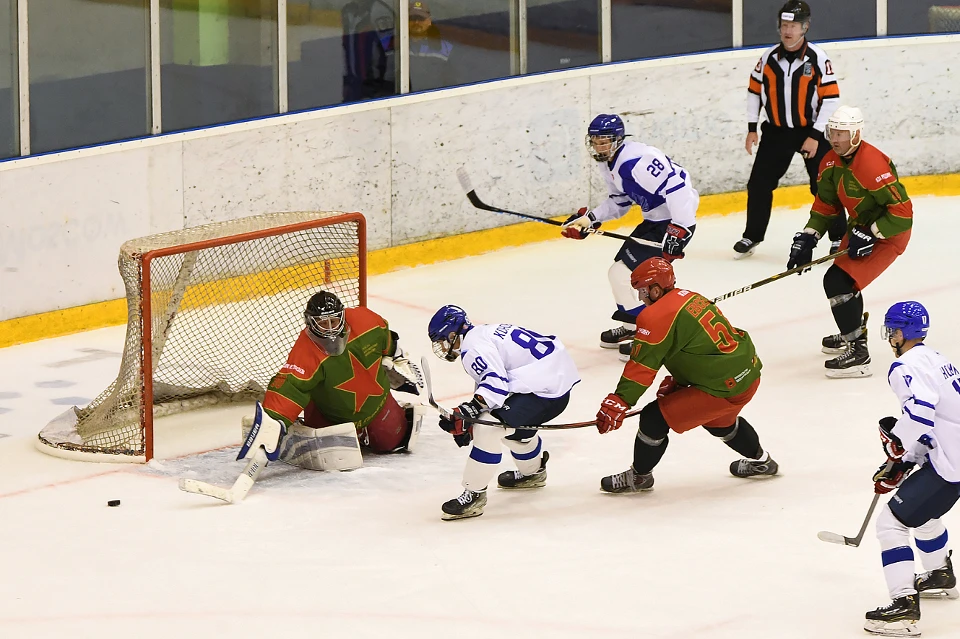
(931, 540)
(623, 293)
(526, 453)
(896, 554)
(484, 457)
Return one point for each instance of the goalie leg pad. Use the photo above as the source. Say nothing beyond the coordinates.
(330, 448)
(414, 414)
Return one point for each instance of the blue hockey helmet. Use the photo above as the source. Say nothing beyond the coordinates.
(446, 330)
(910, 318)
(605, 136)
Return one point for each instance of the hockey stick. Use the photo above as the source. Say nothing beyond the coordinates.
(774, 278)
(478, 203)
(835, 538)
(425, 367)
(240, 488)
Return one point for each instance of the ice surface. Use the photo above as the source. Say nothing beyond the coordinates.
(365, 554)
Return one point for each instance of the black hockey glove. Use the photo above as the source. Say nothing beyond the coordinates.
(861, 242)
(885, 480)
(801, 251)
(674, 241)
(461, 431)
(892, 446)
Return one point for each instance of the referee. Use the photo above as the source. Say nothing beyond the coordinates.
(794, 84)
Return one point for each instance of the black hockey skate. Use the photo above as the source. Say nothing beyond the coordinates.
(516, 479)
(744, 248)
(852, 362)
(613, 337)
(625, 350)
(753, 468)
(898, 619)
(835, 344)
(629, 481)
(469, 504)
(939, 583)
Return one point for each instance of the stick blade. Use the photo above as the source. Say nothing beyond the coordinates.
(832, 538)
(203, 488)
(464, 180)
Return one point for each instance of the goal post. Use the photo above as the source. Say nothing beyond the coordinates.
(212, 312)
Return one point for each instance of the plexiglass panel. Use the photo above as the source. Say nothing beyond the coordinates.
(562, 34)
(9, 141)
(906, 17)
(644, 29)
(218, 61)
(88, 72)
(844, 20)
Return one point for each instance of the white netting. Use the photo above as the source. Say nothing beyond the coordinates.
(225, 305)
(944, 19)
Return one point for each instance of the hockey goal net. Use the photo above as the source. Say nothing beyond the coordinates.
(212, 312)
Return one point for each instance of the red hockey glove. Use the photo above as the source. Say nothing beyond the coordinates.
(885, 480)
(611, 413)
(576, 226)
(674, 241)
(892, 445)
(461, 431)
(667, 386)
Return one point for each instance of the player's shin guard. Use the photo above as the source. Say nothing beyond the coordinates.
(652, 439)
(938, 578)
(846, 303)
(896, 554)
(741, 437)
(628, 303)
(526, 453)
(484, 457)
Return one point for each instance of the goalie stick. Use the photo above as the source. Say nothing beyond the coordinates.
(240, 487)
(478, 203)
(446, 412)
(835, 538)
(774, 278)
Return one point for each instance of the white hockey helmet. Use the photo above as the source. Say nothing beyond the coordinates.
(847, 118)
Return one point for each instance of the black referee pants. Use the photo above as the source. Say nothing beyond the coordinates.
(776, 150)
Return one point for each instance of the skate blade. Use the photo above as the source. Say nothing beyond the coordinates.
(853, 371)
(740, 256)
(540, 484)
(893, 628)
(826, 350)
(606, 345)
(940, 593)
(467, 515)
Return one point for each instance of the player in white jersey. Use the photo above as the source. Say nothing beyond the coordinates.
(635, 173)
(522, 378)
(926, 436)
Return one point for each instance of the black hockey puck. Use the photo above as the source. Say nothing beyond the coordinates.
(113, 503)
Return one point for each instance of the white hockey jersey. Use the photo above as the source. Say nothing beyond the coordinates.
(928, 387)
(645, 176)
(503, 359)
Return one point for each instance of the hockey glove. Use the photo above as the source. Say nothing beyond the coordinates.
(885, 480)
(801, 251)
(579, 225)
(674, 241)
(892, 445)
(461, 431)
(861, 242)
(667, 386)
(403, 375)
(611, 413)
(266, 432)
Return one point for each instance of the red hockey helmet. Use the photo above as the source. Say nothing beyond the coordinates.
(657, 271)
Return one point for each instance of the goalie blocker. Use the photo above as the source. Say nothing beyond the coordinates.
(335, 447)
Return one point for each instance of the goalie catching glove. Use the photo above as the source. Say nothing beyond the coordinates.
(404, 376)
(454, 424)
(579, 225)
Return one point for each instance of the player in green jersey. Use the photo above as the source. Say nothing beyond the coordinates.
(859, 178)
(336, 384)
(714, 372)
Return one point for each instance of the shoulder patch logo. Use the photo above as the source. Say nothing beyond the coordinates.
(881, 178)
(829, 67)
(759, 67)
(807, 69)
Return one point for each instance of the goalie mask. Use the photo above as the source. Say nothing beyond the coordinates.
(326, 324)
(446, 330)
